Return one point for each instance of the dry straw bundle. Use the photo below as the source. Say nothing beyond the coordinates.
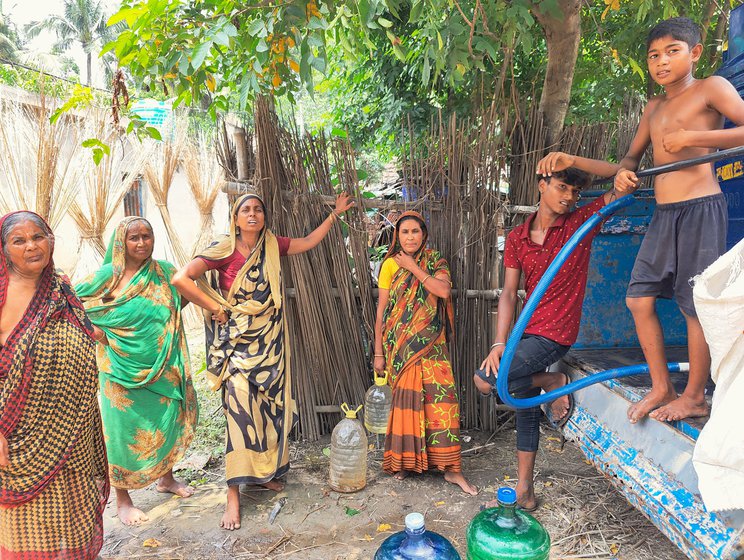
(40, 162)
(105, 185)
(159, 173)
(206, 179)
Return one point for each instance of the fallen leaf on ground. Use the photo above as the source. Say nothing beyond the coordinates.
(151, 543)
(351, 511)
(438, 504)
(383, 527)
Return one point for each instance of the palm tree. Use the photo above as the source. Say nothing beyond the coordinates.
(84, 21)
(9, 43)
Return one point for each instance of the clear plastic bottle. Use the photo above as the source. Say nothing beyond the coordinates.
(348, 453)
(377, 403)
(416, 543)
(506, 533)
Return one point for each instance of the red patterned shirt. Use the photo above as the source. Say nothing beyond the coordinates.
(558, 315)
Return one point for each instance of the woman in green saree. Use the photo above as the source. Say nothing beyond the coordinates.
(148, 403)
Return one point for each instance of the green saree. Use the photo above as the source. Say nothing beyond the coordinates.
(148, 403)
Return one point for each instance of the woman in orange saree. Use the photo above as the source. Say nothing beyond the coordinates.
(414, 314)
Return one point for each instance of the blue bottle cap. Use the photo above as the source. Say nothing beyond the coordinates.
(507, 496)
(414, 521)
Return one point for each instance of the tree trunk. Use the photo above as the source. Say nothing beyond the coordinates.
(89, 63)
(562, 35)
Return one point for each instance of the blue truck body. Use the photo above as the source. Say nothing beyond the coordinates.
(651, 462)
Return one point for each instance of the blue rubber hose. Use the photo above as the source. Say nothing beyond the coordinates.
(502, 382)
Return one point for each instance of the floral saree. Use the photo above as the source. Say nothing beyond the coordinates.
(53, 493)
(248, 358)
(148, 402)
(424, 423)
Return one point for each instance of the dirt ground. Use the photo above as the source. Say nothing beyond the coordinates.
(583, 513)
(585, 516)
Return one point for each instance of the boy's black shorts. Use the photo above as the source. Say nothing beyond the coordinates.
(682, 240)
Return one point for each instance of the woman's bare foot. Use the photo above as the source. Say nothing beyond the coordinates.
(168, 484)
(654, 399)
(681, 408)
(275, 485)
(125, 510)
(400, 475)
(231, 518)
(459, 479)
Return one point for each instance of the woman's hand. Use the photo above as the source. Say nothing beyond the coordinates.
(4, 452)
(343, 203)
(379, 364)
(100, 336)
(220, 316)
(404, 260)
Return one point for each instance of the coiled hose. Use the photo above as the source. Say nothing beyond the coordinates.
(502, 383)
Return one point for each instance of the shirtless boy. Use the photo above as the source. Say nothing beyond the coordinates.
(688, 229)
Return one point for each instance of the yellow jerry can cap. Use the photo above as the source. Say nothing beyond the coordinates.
(350, 413)
(380, 381)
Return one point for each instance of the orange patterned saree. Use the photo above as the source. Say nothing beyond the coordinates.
(424, 424)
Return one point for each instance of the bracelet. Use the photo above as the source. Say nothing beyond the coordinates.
(495, 344)
(423, 282)
(379, 355)
(100, 337)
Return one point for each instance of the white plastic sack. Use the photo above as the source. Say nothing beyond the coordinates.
(719, 451)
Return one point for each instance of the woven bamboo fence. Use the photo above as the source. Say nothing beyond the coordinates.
(451, 175)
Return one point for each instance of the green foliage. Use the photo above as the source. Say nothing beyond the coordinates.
(33, 81)
(99, 149)
(385, 61)
(81, 97)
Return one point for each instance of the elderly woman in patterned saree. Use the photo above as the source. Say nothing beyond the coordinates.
(53, 484)
(148, 403)
(248, 356)
(414, 313)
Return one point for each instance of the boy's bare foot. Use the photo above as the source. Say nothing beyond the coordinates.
(560, 406)
(168, 484)
(651, 401)
(231, 518)
(680, 408)
(275, 485)
(459, 479)
(484, 387)
(526, 498)
(125, 510)
(400, 475)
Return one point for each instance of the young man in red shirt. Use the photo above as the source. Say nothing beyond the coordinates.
(530, 248)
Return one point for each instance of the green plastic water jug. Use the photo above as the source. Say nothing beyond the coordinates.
(506, 533)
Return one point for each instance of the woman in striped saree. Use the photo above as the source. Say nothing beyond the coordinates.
(248, 356)
(414, 313)
(148, 403)
(53, 483)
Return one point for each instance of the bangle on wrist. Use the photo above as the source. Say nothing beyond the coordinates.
(423, 282)
(379, 355)
(495, 344)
